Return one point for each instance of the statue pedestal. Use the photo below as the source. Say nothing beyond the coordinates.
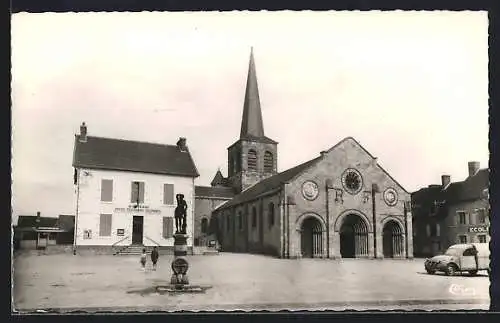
(180, 265)
(179, 282)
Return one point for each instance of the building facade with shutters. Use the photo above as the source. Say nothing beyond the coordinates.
(125, 191)
(452, 212)
(340, 204)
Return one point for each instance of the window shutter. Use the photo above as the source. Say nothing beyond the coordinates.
(168, 194)
(105, 225)
(141, 192)
(134, 193)
(107, 190)
(168, 227)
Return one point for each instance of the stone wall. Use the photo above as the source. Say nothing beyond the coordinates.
(348, 154)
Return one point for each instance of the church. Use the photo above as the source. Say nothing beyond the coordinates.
(340, 204)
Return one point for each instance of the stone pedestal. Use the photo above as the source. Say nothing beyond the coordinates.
(179, 282)
(180, 265)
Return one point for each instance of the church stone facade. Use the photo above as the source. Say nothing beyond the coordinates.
(340, 204)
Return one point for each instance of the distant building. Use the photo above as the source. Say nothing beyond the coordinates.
(451, 213)
(125, 191)
(341, 203)
(37, 232)
(207, 199)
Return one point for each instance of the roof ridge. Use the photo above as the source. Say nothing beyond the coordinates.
(130, 140)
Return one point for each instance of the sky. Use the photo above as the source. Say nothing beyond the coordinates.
(411, 87)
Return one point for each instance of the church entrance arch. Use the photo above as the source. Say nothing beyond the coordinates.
(392, 240)
(353, 237)
(311, 238)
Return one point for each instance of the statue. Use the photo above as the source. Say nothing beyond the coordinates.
(180, 214)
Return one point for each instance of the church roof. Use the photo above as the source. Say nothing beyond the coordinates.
(275, 181)
(251, 123)
(213, 192)
(268, 184)
(135, 156)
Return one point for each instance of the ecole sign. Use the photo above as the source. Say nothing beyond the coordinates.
(478, 229)
(140, 209)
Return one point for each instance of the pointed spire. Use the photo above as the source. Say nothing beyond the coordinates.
(251, 123)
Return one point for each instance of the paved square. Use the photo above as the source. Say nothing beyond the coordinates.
(240, 281)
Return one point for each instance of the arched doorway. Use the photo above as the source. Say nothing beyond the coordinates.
(353, 237)
(392, 240)
(311, 238)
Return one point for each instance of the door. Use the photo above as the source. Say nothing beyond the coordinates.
(467, 261)
(137, 229)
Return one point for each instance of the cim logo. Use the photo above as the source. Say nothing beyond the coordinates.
(479, 229)
(461, 290)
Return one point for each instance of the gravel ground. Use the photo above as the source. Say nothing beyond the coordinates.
(240, 281)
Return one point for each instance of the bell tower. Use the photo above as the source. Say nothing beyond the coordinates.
(254, 156)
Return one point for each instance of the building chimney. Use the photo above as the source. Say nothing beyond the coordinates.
(473, 168)
(181, 144)
(83, 132)
(445, 180)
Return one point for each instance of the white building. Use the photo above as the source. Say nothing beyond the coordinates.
(125, 191)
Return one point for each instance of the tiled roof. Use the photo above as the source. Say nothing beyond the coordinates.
(268, 184)
(125, 155)
(219, 180)
(471, 188)
(29, 221)
(262, 139)
(213, 192)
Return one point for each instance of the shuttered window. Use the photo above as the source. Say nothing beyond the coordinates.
(105, 225)
(107, 190)
(481, 216)
(168, 194)
(168, 227)
(252, 160)
(137, 190)
(461, 217)
(268, 162)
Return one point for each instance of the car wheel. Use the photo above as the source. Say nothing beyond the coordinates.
(473, 272)
(450, 270)
(431, 272)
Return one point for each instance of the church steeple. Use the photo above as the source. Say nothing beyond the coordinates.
(253, 157)
(251, 123)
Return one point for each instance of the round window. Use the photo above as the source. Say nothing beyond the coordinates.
(391, 196)
(352, 181)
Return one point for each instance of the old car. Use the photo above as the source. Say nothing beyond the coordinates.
(460, 258)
